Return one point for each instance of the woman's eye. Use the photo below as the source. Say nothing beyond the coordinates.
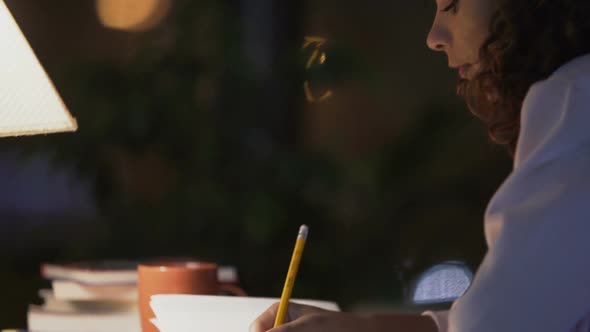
(452, 6)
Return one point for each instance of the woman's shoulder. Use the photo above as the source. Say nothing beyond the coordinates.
(573, 70)
(576, 71)
(554, 115)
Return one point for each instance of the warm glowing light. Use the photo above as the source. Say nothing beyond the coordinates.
(132, 15)
(310, 97)
(315, 62)
(29, 103)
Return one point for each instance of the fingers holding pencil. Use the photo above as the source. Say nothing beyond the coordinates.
(281, 312)
(265, 322)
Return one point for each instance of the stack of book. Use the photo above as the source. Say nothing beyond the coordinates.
(95, 297)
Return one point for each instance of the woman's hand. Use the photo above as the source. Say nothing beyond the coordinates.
(308, 319)
(302, 318)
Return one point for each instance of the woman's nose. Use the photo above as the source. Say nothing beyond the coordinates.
(438, 38)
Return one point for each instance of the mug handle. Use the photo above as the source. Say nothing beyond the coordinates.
(232, 289)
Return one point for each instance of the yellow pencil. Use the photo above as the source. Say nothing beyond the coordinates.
(291, 274)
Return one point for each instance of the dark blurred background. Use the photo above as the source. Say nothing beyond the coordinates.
(214, 128)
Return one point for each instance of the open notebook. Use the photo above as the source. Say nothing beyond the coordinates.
(184, 313)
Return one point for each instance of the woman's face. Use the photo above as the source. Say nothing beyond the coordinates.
(460, 27)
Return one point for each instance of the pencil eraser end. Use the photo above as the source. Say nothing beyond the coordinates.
(303, 231)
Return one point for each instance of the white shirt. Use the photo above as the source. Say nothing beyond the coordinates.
(536, 273)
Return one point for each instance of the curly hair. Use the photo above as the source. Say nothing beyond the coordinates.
(528, 40)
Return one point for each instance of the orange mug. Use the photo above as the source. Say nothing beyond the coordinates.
(177, 277)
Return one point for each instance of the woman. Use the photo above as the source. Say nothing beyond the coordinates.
(524, 69)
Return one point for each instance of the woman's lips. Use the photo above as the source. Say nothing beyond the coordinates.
(464, 71)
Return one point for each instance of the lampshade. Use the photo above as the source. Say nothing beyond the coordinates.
(29, 103)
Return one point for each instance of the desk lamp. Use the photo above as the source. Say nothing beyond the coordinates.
(29, 103)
